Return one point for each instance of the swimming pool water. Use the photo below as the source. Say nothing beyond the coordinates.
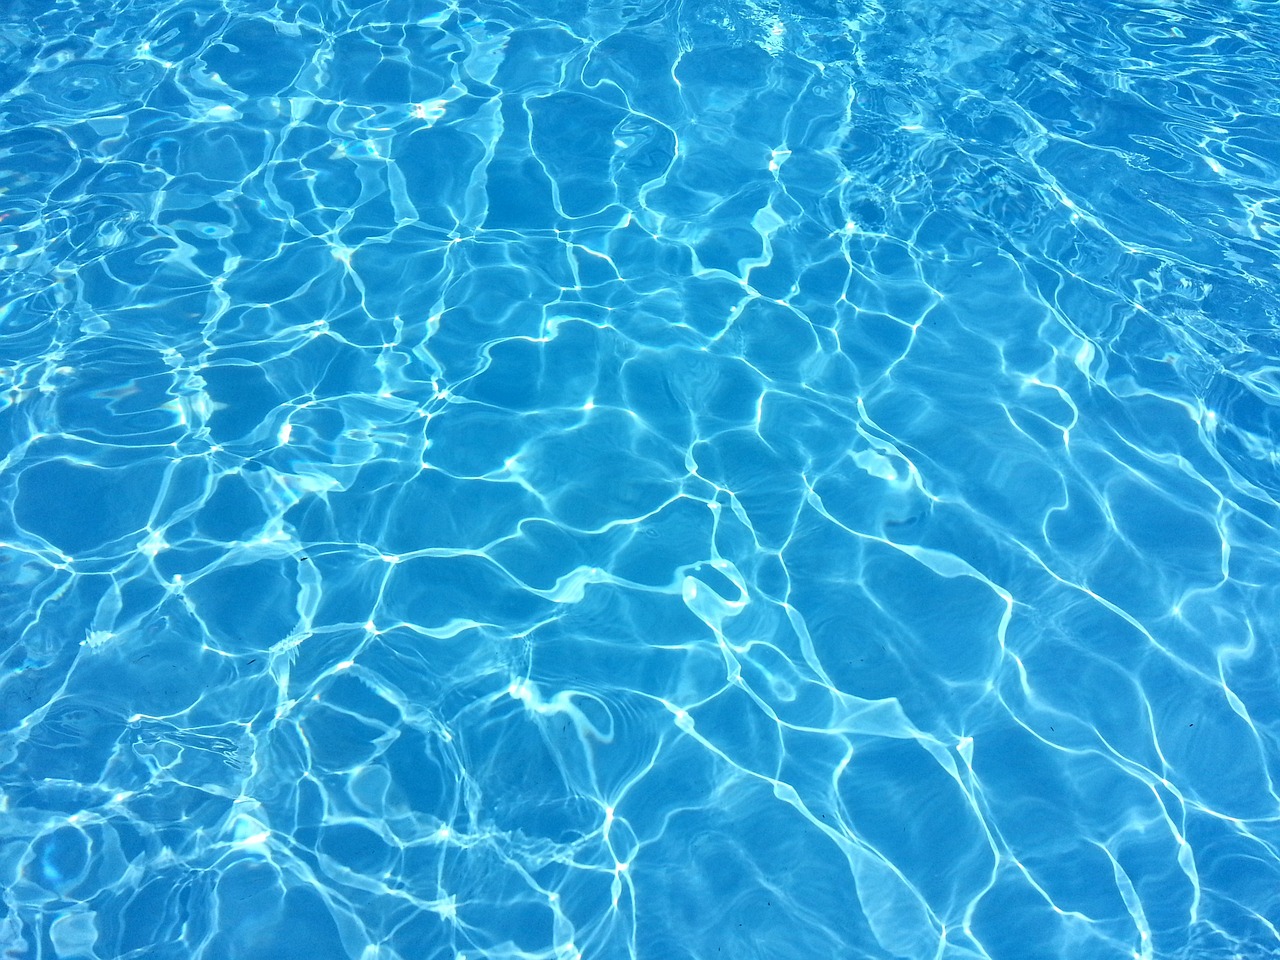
(639, 480)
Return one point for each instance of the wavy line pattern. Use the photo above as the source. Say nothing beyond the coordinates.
(639, 480)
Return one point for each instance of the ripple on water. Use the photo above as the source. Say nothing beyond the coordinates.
(82, 89)
(628, 481)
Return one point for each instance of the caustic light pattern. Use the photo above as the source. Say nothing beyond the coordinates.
(642, 480)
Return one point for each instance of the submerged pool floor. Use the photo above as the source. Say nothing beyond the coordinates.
(645, 480)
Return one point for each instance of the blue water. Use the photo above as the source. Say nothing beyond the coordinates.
(647, 480)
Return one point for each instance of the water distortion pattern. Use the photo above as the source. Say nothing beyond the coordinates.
(639, 480)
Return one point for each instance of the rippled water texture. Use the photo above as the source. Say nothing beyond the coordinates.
(639, 480)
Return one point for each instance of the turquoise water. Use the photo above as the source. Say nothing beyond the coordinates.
(639, 480)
